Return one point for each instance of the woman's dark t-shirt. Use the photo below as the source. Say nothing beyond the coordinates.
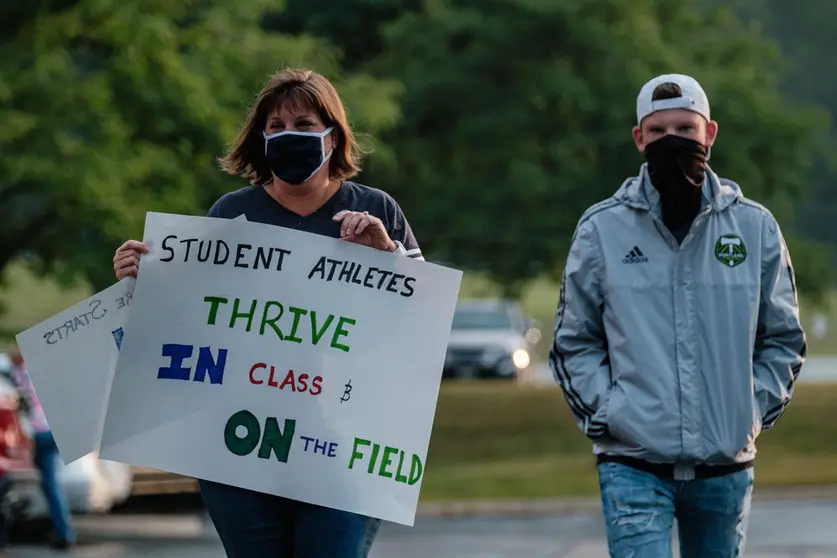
(258, 207)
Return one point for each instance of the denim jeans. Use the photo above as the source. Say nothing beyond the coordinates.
(256, 525)
(47, 461)
(640, 508)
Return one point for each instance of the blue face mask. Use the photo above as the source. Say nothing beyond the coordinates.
(294, 157)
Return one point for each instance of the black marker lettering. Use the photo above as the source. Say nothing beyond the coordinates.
(393, 281)
(369, 274)
(263, 255)
(239, 253)
(201, 256)
(384, 275)
(319, 267)
(188, 242)
(408, 287)
(218, 260)
(282, 254)
(167, 249)
(334, 264)
(94, 305)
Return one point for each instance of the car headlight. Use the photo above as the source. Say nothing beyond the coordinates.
(520, 358)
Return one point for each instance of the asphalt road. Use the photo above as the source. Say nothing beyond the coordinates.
(816, 370)
(777, 530)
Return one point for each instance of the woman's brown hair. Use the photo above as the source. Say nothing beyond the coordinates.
(302, 89)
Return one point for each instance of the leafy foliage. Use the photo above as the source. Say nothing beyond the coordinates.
(518, 114)
(112, 108)
(496, 122)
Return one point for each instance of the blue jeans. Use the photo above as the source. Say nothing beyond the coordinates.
(640, 508)
(256, 525)
(48, 461)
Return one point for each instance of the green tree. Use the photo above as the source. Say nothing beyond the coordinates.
(805, 33)
(111, 108)
(517, 117)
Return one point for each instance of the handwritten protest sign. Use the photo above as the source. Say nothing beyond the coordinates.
(71, 358)
(282, 362)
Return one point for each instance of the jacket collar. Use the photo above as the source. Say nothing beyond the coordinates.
(639, 193)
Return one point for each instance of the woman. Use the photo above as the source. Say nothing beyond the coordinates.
(298, 152)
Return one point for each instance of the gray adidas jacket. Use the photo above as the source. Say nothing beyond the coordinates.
(677, 354)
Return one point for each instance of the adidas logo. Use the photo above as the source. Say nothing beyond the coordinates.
(635, 256)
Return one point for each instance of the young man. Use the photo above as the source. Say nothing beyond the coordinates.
(677, 339)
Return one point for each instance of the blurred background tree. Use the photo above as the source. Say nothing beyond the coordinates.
(111, 108)
(517, 115)
(495, 122)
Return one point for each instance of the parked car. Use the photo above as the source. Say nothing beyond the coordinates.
(490, 338)
(18, 476)
(92, 485)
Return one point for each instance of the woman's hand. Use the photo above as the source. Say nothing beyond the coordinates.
(127, 258)
(362, 228)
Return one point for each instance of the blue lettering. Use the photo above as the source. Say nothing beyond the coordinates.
(118, 334)
(177, 354)
(207, 364)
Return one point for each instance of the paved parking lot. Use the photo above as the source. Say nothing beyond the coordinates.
(778, 530)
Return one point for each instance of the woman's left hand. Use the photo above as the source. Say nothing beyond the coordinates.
(361, 228)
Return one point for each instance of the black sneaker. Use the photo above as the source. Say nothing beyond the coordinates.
(59, 543)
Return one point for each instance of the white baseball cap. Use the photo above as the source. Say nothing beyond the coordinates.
(693, 97)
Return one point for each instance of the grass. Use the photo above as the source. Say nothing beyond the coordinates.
(493, 440)
(26, 300)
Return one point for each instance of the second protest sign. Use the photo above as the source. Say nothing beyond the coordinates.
(282, 362)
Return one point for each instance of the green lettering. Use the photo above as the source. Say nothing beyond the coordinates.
(249, 315)
(415, 470)
(398, 476)
(214, 302)
(298, 313)
(246, 445)
(316, 335)
(277, 441)
(375, 449)
(386, 461)
(272, 321)
(339, 331)
(355, 453)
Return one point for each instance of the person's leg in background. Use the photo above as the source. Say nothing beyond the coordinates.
(47, 461)
(712, 515)
(325, 532)
(250, 524)
(638, 512)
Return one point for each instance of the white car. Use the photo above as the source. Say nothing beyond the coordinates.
(489, 338)
(92, 485)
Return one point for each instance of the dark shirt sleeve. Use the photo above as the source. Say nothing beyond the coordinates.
(225, 208)
(401, 233)
(215, 210)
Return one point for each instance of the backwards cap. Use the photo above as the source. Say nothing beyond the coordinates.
(693, 97)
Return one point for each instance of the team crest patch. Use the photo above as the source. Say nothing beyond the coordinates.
(730, 250)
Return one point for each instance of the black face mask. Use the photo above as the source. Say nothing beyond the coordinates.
(294, 157)
(677, 167)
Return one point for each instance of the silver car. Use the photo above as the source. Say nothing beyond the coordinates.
(490, 338)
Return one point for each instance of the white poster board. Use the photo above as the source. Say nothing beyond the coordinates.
(71, 358)
(283, 362)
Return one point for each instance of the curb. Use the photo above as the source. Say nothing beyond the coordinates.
(561, 506)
